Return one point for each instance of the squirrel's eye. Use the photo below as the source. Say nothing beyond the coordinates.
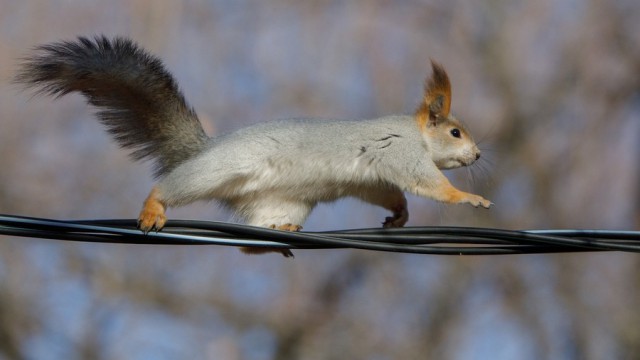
(455, 133)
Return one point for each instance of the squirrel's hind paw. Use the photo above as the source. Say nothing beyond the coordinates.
(151, 221)
(263, 250)
(287, 227)
(152, 215)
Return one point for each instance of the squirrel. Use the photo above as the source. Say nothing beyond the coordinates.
(271, 174)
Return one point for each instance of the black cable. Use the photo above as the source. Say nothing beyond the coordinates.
(422, 240)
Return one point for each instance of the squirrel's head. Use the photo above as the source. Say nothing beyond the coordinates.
(449, 142)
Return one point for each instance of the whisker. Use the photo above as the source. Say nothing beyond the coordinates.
(480, 170)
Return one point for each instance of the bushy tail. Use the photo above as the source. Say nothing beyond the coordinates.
(137, 99)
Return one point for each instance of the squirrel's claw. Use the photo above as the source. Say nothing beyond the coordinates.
(152, 217)
(486, 203)
(287, 253)
(399, 218)
(149, 221)
(477, 201)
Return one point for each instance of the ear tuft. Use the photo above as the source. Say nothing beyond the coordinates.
(437, 96)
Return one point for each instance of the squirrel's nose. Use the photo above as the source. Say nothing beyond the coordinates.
(478, 155)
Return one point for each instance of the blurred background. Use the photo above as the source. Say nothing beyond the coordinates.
(551, 91)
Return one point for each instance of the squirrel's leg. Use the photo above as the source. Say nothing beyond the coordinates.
(391, 199)
(275, 212)
(152, 215)
(442, 190)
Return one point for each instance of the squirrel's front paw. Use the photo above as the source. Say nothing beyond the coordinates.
(477, 200)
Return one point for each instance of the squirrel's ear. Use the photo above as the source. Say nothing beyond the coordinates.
(437, 96)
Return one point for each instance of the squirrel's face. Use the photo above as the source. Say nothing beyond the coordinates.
(450, 144)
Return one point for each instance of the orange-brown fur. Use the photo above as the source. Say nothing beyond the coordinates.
(450, 194)
(152, 215)
(435, 88)
(445, 192)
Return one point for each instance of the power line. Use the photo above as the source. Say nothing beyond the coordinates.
(420, 240)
